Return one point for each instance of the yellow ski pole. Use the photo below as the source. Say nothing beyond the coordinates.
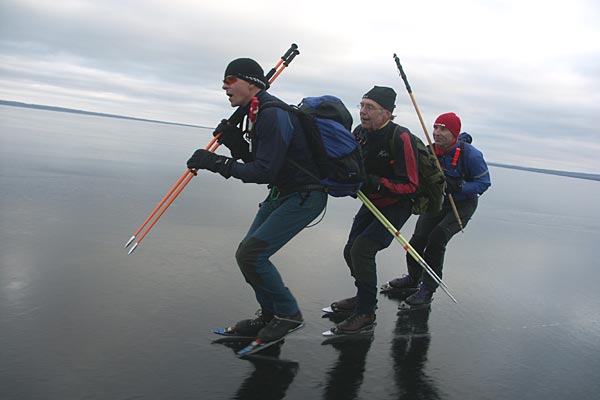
(409, 249)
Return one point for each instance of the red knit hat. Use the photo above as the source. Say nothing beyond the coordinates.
(450, 121)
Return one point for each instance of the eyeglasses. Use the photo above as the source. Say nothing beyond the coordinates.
(369, 107)
(230, 80)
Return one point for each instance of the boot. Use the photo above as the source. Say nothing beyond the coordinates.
(405, 283)
(421, 298)
(280, 326)
(345, 305)
(250, 327)
(356, 323)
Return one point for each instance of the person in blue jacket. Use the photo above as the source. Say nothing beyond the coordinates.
(467, 177)
(294, 200)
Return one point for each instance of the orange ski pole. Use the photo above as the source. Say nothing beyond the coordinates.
(190, 174)
(160, 204)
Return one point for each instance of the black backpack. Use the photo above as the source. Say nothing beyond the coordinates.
(429, 196)
(326, 122)
(432, 182)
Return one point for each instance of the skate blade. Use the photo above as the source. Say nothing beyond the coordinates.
(257, 345)
(366, 329)
(229, 331)
(337, 340)
(234, 339)
(405, 307)
(387, 288)
(329, 310)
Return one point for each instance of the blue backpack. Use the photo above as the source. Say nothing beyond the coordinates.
(326, 122)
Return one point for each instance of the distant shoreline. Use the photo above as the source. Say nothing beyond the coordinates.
(579, 175)
(97, 114)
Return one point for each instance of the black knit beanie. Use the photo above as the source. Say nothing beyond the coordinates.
(384, 96)
(248, 70)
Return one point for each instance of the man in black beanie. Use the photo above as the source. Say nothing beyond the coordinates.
(295, 198)
(390, 157)
(248, 70)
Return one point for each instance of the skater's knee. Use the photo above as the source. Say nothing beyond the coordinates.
(438, 238)
(363, 258)
(247, 256)
(364, 247)
(418, 241)
(348, 257)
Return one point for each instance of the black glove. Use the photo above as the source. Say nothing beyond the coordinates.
(233, 138)
(371, 185)
(454, 185)
(204, 159)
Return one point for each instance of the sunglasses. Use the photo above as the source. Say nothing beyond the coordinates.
(230, 80)
(368, 107)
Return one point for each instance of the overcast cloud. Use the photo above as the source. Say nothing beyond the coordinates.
(524, 75)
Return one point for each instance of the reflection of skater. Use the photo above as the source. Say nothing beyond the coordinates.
(409, 352)
(346, 375)
(271, 376)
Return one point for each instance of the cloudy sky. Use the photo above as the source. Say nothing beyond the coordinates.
(524, 75)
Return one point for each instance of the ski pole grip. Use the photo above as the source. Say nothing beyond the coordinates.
(402, 74)
(291, 57)
(293, 47)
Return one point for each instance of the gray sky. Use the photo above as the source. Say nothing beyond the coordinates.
(523, 75)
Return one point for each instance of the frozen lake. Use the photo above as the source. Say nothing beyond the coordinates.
(81, 319)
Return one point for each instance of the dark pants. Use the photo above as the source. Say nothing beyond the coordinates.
(367, 237)
(279, 219)
(432, 234)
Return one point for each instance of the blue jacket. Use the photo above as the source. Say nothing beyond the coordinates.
(277, 136)
(471, 166)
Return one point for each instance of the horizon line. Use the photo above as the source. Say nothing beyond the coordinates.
(571, 174)
(98, 114)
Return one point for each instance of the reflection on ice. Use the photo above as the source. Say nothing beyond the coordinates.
(80, 318)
